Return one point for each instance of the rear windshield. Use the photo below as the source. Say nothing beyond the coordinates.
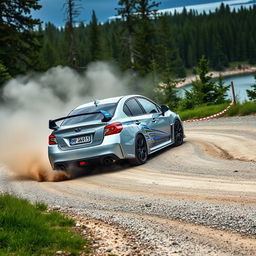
(93, 117)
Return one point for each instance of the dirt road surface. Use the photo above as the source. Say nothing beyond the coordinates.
(196, 199)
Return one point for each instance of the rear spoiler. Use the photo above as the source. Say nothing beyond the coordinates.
(106, 117)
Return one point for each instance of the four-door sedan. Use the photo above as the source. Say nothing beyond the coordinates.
(128, 127)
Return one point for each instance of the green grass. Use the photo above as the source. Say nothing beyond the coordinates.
(243, 109)
(246, 108)
(201, 111)
(26, 230)
(41, 206)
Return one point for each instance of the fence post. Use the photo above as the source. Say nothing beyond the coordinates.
(233, 92)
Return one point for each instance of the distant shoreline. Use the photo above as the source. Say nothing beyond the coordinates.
(214, 74)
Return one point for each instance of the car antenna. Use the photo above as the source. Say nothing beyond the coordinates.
(96, 102)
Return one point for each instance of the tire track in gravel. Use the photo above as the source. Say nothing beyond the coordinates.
(208, 240)
(234, 147)
(183, 201)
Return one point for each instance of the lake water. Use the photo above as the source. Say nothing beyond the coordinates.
(241, 84)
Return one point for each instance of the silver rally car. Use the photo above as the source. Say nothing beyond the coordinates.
(128, 127)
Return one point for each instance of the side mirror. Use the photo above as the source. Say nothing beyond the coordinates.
(164, 109)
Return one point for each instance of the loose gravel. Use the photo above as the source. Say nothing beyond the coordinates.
(162, 216)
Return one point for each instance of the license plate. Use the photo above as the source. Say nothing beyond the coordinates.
(80, 140)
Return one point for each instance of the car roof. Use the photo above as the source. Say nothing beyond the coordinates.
(102, 101)
(107, 101)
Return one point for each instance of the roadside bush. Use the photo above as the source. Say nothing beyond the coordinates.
(252, 93)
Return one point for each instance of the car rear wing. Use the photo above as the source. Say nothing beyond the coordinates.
(106, 117)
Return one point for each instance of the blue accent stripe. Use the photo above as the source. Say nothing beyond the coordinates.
(150, 133)
(159, 137)
(128, 122)
(152, 130)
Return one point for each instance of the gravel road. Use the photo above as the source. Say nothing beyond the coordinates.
(196, 199)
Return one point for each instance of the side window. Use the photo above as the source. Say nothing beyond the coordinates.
(127, 110)
(149, 106)
(134, 108)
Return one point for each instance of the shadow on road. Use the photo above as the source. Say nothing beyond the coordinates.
(116, 167)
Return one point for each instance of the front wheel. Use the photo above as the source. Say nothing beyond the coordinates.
(141, 151)
(178, 133)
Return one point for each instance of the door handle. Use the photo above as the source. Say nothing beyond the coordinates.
(137, 122)
(154, 120)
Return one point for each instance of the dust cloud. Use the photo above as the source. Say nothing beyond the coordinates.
(31, 100)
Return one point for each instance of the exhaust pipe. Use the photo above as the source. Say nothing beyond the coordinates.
(60, 167)
(107, 161)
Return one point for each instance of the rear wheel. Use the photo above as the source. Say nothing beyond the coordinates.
(178, 133)
(141, 151)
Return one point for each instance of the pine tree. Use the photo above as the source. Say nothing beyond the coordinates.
(19, 43)
(127, 13)
(49, 55)
(203, 88)
(94, 38)
(190, 57)
(82, 46)
(252, 51)
(219, 59)
(220, 90)
(166, 52)
(222, 36)
(252, 93)
(4, 75)
(72, 12)
(145, 34)
(168, 91)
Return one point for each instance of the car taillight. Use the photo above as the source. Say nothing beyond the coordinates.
(83, 163)
(52, 140)
(113, 128)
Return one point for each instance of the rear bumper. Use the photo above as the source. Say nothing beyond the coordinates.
(69, 165)
(109, 147)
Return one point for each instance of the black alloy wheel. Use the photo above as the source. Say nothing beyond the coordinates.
(141, 151)
(178, 133)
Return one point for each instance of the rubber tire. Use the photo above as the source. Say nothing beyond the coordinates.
(178, 133)
(138, 160)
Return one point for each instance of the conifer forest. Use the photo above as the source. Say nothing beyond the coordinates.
(139, 39)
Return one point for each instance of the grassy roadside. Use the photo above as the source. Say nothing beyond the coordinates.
(26, 229)
(242, 109)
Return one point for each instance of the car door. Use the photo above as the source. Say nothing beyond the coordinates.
(134, 110)
(158, 124)
(139, 117)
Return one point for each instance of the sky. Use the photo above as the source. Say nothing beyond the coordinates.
(53, 10)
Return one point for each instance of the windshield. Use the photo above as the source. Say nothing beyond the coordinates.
(93, 117)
